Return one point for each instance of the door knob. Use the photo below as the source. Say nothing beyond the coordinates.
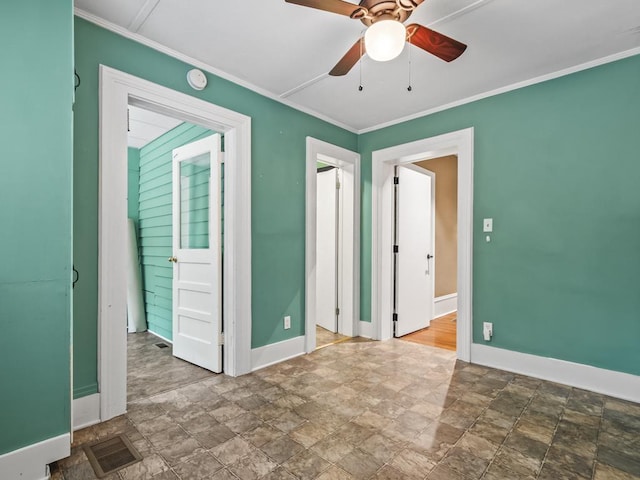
(173, 259)
(429, 256)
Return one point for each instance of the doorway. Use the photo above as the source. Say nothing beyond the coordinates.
(117, 91)
(413, 249)
(458, 143)
(171, 164)
(332, 244)
(328, 253)
(440, 331)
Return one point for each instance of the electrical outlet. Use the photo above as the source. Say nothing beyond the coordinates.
(487, 331)
(287, 322)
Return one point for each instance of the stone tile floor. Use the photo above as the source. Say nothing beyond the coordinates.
(325, 337)
(153, 370)
(382, 410)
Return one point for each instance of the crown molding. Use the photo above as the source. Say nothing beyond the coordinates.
(136, 37)
(514, 86)
(282, 98)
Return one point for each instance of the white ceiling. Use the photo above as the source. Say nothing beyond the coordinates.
(145, 126)
(286, 50)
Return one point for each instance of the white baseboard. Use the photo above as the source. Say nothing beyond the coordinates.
(609, 382)
(262, 357)
(30, 463)
(86, 411)
(445, 304)
(365, 329)
(160, 337)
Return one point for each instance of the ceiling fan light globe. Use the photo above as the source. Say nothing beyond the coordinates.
(384, 40)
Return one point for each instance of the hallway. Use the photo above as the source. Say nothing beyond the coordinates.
(386, 410)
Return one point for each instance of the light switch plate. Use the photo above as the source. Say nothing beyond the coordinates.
(487, 225)
(487, 331)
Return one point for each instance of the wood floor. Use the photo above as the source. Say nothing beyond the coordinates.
(441, 333)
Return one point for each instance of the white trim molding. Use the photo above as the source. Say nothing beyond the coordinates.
(31, 462)
(460, 143)
(349, 295)
(282, 98)
(86, 411)
(136, 37)
(365, 329)
(117, 91)
(508, 88)
(164, 339)
(445, 304)
(599, 380)
(273, 353)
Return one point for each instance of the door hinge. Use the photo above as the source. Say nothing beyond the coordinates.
(337, 185)
(221, 339)
(396, 180)
(395, 249)
(395, 317)
(337, 311)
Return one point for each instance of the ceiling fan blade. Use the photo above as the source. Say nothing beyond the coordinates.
(334, 6)
(350, 58)
(435, 43)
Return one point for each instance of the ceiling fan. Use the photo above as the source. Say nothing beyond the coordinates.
(386, 33)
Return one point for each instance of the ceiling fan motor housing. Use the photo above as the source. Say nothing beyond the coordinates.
(377, 10)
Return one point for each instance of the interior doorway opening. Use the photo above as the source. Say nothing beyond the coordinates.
(118, 90)
(174, 203)
(413, 249)
(332, 244)
(384, 161)
(329, 253)
(438, 328)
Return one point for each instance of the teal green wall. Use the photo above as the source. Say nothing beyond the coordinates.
(35, 214)
(557, 166)
(156, 223)
(277, 195)
(133, 183)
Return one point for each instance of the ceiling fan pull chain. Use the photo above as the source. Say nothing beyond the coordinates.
(409, 87)
(360, 87)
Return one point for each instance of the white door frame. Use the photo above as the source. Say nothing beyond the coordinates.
(460, 143)
(349, 294)
(117, 91)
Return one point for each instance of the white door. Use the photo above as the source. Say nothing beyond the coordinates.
(327, 249)
(197, 319)
(414, 260)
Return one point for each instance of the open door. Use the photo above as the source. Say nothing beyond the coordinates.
(413, 250)
(197, 308)
(327, 205)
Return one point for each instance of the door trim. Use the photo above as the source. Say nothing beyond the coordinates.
(349, 162)
(461, 143)
(117, 91)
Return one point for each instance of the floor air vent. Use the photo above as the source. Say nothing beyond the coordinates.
(162, 345)
(112, 454)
